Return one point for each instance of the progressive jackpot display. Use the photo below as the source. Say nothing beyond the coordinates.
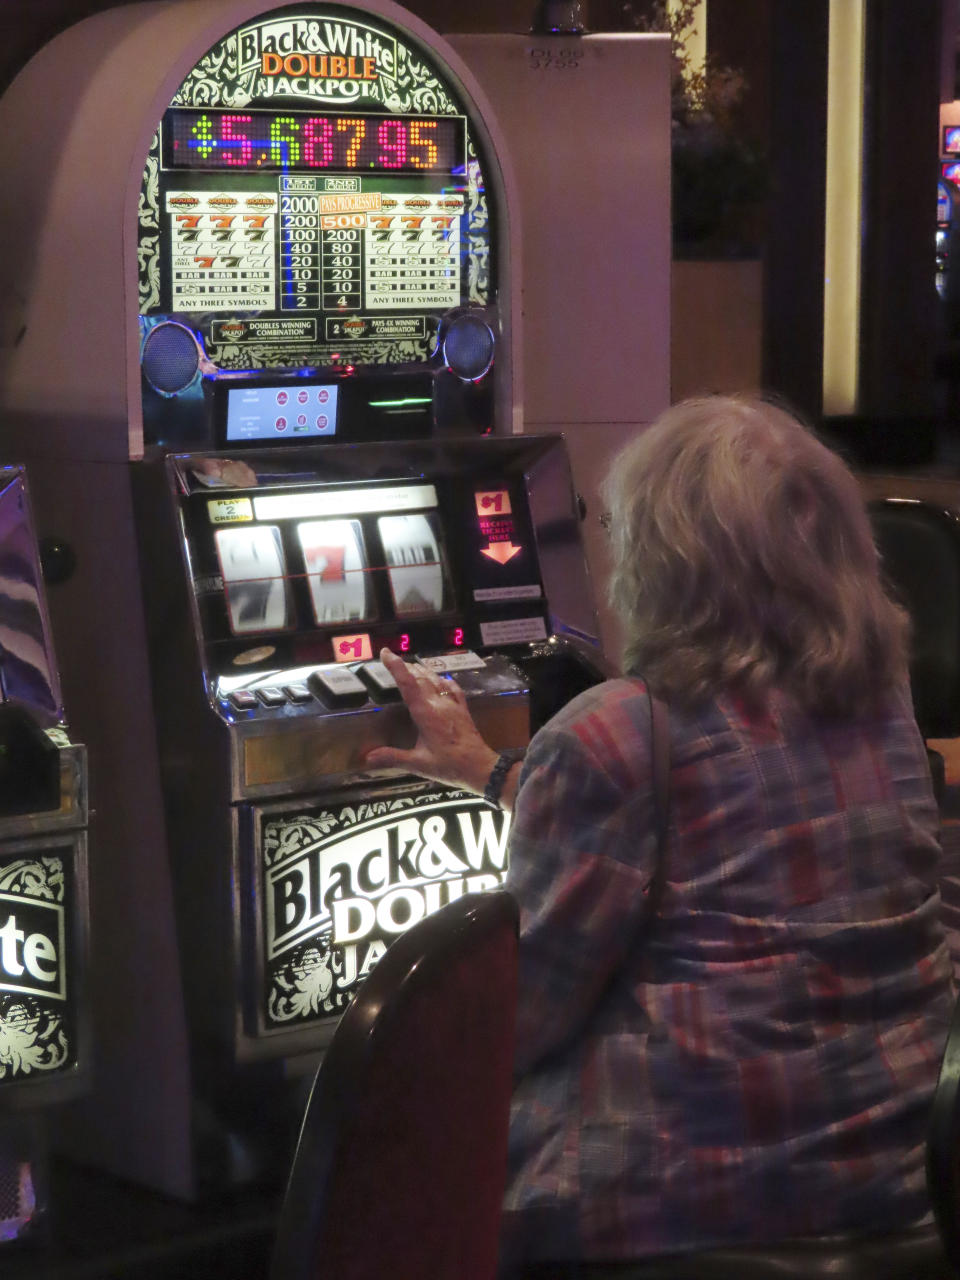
(319, 201)
(303, 141)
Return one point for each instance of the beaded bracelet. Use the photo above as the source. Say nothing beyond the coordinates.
(498, 774)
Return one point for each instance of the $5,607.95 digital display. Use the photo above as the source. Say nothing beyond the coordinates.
(306, 142)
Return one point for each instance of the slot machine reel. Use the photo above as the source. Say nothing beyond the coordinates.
(253, 575)
(335, 560)
(415, 567)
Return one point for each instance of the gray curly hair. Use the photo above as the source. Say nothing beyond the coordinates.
(743, 560)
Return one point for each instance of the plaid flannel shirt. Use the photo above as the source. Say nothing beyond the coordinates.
(762, 1065)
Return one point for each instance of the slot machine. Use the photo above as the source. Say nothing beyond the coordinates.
(44, 1048)
(948, 199)
(948, 196)
(260, 345)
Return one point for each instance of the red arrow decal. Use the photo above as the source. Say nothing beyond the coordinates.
(501, 551)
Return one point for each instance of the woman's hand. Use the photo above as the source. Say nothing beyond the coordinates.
(224, 473)
(449, 747)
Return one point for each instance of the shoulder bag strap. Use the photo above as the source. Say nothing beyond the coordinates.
(660, 764)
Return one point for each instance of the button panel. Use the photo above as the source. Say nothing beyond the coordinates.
(299, 692)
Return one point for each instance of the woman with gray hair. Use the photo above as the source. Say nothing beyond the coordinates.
(757, 1062)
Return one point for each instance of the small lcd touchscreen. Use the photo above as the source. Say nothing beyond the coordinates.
(252, 564)
(281, 413)
(336, 564)
(414, 565)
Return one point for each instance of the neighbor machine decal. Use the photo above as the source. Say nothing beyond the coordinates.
(37, 1033)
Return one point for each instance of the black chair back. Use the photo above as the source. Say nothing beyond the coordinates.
(401, 1162)
(920, 546)
(943, 1147)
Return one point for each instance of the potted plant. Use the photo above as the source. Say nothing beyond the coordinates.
(718, 175)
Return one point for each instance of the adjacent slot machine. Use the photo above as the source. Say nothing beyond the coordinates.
(273, 409)
(44, 1042)
(948, 228)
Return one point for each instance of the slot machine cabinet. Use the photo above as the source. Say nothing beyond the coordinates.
(355, 547)
(44, 1043)
(268, 266)
(586, 121)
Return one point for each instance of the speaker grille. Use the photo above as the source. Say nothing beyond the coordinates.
(170, 358)
(468, 347)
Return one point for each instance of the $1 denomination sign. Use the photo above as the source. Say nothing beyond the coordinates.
(339, 883)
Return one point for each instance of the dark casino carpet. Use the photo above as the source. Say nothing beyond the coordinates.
(99, 1228)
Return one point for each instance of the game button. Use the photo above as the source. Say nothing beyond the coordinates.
(244, 700)
(382, 686)
(298, 692)
(337, 687)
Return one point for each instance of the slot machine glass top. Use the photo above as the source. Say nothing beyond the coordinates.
(314, 198)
